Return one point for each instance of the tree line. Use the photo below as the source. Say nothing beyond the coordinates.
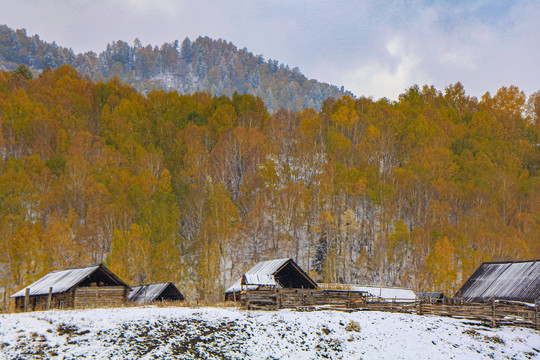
(197, 188)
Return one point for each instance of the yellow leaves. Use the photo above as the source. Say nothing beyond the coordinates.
(310, 124)
(131, 255)
(223, 119)
(62, 245)
(341, 147)
(346, 116)
(438, 162)
(372, 133)
(441, 265)
(509, 101)
(21, 251)
(221, 214)
(196, 157)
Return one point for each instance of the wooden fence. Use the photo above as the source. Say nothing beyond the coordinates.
(493, 313)
(284, 299)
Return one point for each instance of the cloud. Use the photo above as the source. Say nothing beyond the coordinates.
(382, 79)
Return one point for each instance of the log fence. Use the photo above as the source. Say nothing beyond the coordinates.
(493, 313)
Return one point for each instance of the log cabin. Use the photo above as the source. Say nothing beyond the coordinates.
(92, 286)
(279, 273)
(150, 293)
(507, 280)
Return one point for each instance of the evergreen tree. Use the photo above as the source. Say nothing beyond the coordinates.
(185, 50)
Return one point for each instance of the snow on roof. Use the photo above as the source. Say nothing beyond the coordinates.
(146, 293)
(259, 279)
(267, 267)
(262, 274)
(60, 281)
(519, 281)
(387, 293)
(237, 287)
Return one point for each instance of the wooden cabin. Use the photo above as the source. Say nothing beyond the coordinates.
(279, 273)
(150, 293)
(508, 280)
(92, 286)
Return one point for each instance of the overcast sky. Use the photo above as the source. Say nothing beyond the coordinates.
(373, 48)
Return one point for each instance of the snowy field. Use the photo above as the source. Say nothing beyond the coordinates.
(214, 333)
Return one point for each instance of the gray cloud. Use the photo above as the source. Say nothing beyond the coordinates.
(373, 48)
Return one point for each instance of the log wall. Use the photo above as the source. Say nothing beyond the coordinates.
(39, 302)
(99, 296)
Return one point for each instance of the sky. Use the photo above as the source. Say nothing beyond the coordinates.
(373, 48)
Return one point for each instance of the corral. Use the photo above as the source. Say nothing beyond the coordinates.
(494, 313)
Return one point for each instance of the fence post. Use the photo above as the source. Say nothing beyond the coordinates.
(493, 323)
(49, 297)
(536, 318)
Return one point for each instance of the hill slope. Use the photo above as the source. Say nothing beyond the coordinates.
(414, 194)
(217, 67)
(210, 333)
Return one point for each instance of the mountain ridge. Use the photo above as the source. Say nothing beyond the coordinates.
(202, 65)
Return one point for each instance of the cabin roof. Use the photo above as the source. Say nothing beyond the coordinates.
(64, 280)
(269, 267)
(237, 286)
(150, 292)
(263, 274)
(509, 280)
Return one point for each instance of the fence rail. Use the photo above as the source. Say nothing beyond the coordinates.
(493, 313)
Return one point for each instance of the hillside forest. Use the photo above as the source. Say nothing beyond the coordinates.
(202, 65)
(195, 189)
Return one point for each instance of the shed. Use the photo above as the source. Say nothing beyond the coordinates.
(434, 297)
(146, 294)
(509, 280)
(279, 273)
(92, 286)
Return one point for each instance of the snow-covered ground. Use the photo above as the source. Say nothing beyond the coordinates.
(228, 333)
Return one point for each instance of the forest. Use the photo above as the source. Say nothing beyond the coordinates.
(196, 188)
(202, 65)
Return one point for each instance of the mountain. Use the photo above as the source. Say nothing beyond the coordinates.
(203, 65)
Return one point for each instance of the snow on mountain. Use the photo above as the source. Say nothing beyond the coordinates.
(217, 333)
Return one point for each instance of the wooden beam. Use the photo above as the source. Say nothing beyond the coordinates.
(49, 298)
(26, 298)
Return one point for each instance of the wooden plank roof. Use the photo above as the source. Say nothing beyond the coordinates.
(517, 281)
(147, 293)
(64, 280)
